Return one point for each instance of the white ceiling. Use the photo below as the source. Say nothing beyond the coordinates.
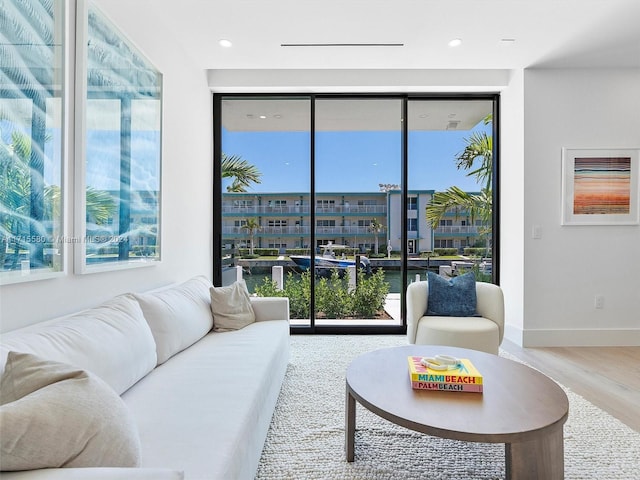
(496, 34)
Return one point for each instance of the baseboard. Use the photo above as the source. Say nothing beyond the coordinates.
(628, 337)
(513, 334)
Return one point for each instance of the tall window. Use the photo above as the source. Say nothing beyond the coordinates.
(355, 192)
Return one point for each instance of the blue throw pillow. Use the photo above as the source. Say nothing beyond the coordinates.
(452, 298)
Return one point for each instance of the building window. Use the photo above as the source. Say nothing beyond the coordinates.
(325, 223)
(412, 224)
(412, 203)
(277, 223)
(325, 205)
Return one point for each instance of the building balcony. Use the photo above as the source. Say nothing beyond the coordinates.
(230, 209)
(299, 230)
(456, 230)
(353, 210)
(240, 210)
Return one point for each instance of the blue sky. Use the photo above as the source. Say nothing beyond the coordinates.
(351, 161)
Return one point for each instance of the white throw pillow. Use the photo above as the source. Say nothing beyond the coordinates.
(55, 415)
(112, 340)
(178, 316)
(231, 307)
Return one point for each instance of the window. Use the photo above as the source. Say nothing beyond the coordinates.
(31, 137)
(328, 154)
(277, 223)
(325, 223)
(325, 205)
(444, 243)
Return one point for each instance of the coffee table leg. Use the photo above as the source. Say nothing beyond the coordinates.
(350, 426)
(535, 459)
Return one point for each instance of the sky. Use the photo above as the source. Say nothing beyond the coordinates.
(351, 161)
(356, 161)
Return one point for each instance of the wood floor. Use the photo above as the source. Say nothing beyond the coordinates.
(608, 377)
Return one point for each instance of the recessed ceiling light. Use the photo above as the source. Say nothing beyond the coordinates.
(225, 43)
(456, 42)
(263, 117)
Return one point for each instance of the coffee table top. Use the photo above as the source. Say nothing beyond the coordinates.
(517, 400)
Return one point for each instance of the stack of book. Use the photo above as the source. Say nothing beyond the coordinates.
(462, 377)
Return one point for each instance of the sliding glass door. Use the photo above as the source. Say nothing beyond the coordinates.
(358, 153)
(339, 201)
(265, 193)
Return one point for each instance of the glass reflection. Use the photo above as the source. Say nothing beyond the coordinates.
(31, 91)
(122, 148)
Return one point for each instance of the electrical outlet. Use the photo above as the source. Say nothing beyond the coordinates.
(599, 302)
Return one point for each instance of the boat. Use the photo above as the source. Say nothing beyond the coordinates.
(326, 263)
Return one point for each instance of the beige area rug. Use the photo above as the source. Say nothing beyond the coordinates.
(306, 437)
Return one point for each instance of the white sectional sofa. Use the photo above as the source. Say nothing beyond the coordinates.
(200, 401)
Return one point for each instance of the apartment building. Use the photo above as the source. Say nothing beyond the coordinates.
(283, 221)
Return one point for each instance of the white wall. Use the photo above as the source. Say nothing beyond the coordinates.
(512, 200)
(186, 190)
(569, 265)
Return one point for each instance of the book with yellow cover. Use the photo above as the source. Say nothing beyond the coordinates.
(447, 387)
(463, 373)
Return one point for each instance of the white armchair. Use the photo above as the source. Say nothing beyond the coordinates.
(484, 333)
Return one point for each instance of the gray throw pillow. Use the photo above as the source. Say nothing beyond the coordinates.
(455, 297)
(231, 307)
(55, 415)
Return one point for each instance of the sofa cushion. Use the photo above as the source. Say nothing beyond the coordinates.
(55, 415)
(455, 297)
(231, 307)
(178, 316)
(112, 340)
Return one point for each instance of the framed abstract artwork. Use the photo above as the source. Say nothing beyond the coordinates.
(118, 148)
(600, 186)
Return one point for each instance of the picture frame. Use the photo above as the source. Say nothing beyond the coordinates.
(600, 186)
(118, 146)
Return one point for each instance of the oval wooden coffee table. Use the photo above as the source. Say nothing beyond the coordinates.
(519, 407)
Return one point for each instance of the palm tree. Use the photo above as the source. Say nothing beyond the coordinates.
(376, 227)
(243, 173)
(479, 148)
(476, 206)
(251, 225)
